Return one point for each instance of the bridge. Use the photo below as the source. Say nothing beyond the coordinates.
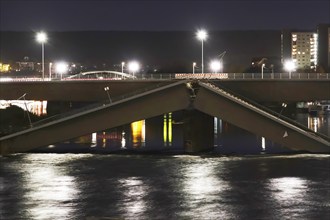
(209, 97)
(89, 86)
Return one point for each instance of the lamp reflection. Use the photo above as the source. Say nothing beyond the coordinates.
(138, 133)
(134, 191)
(202, 187)
(50, 189)
(288, 189)
(314, 123)
(167, 130)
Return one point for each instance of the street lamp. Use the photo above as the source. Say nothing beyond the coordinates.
(290, 66)
(202, 35)
(262, 70)
(61, 68)
(194, 65)
(133, 67)
(106, 89)
(26, 108)
(50, 71)
(283, 106)
(122, 67)
(215, 66)
(42, 38)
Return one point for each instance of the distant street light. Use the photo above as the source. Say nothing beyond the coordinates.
(194, 65)
(290, 66)
(106, 89)
(50, 71)
(283, 106)
(61, 68)
(215, 66)
(122, 67)
(133, 67)
(262, 70)
(26, 108)
(42, 38)
(202, 35)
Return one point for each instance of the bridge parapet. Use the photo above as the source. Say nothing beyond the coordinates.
(113, 75)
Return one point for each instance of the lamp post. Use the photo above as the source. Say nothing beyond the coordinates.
(61, 68)
(290, 66)
(50, 71)
(215, 66)
(106, 89)
(133, 67)
(202, 35)
(283, 106)
(122, 67)
(262, 70)
(26, 108)
(42, 38)
(194, 65)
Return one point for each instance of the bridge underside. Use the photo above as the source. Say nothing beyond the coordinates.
(149, 104)
(258, 122)
(177, 96)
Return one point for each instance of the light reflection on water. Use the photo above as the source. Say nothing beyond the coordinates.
(203, 189)
(134, 192)
(288, 189)
(86, 186)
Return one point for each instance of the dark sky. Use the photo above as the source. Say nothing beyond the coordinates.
(161, 15)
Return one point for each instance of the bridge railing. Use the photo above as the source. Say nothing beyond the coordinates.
(178, 76)
(276, 76)
(222, 76)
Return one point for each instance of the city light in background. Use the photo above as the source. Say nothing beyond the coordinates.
(133, 67)
(194, 66)
(290, 66)
(122, 67)
(215, 66)
(61, 68)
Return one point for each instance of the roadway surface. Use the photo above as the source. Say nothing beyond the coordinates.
(260, 90)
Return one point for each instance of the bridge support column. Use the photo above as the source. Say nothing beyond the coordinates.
(198, 131)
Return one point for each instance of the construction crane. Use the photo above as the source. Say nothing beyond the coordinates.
(222, 55)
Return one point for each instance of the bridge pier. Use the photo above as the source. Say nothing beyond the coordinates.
(198, 131)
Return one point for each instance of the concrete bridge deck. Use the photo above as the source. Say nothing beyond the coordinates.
(180, 95)
(92, 90)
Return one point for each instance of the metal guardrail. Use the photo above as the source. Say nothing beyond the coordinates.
(179, 76)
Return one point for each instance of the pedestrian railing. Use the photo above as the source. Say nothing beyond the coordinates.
(181, 76)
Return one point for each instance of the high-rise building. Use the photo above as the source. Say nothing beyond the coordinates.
(301, 48)
(309, 50)
(304, 50)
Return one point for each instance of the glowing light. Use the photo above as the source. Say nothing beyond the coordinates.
(41, 37)
(263, 143)
(133, 66)
(167, 129)
(4, 67)
(201, 35)
(215, 65)
(94, 140)
(138, 133)
(289, 65)
(61, 67)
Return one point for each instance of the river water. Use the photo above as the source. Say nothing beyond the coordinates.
(94, 186)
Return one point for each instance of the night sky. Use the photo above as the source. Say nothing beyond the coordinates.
(161, 15)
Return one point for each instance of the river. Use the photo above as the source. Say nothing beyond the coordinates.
(94, 186)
